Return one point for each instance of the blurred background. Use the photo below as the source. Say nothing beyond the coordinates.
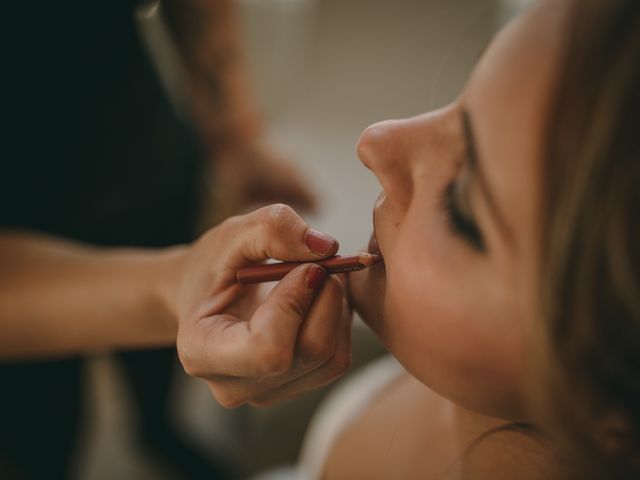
(319, 72)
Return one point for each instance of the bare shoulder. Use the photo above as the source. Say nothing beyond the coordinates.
(508, 451)
(410, 432)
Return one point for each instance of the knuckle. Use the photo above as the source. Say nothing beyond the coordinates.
(189, 368)
(281, 211)
(279, 219)
(190, 364)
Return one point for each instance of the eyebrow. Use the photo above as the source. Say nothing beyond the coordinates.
(475, 166)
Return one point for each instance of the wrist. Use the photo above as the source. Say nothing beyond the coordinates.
(166, 281)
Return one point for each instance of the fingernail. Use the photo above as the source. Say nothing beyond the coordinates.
(316, 277)
(319, 242)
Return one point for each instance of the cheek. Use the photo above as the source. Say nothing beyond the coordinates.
(422, 303)
(449, 322)
(423, 312)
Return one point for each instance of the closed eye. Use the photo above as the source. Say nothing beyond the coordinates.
(460, 224)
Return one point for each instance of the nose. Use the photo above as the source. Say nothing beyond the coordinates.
(384, 149)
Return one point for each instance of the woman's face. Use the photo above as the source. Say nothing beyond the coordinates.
(457, 223)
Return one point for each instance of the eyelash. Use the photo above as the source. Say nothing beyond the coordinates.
(459, 224)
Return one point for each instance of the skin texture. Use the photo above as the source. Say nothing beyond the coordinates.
(252, 348)
(456, 317)
(60, 298)
(411, 432)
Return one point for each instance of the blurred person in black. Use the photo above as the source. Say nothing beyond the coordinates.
(93, 151)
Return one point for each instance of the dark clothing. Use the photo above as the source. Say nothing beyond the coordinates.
(92, 151)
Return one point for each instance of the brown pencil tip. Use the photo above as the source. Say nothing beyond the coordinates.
(369, 259)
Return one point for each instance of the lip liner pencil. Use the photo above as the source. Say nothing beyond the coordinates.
(275, 271)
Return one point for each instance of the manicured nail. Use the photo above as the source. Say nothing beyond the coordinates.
(319, 242)
(316, 277)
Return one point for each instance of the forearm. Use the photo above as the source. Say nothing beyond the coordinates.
(223, 103)
(60, 297)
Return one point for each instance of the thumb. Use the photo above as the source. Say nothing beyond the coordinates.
(277, 232)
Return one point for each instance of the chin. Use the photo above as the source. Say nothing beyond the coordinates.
(367, 290)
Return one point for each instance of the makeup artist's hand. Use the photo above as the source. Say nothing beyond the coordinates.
(255, 348)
